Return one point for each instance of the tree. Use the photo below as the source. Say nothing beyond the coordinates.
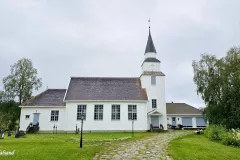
(9, 114)
(218, 83)
(22, 80)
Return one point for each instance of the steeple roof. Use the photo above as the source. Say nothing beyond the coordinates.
(150, 46)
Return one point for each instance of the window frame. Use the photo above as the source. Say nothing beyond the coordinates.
(81, 111)
(154, 103)
(54, 115)
(98, 112)
(132, 113)
(116, 113)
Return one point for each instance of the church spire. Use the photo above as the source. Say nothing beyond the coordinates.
(150, 46)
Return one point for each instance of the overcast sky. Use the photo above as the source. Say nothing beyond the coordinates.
(108, 38)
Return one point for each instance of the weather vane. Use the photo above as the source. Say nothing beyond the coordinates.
(149, 22)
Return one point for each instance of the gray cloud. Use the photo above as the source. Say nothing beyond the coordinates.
(108, 38)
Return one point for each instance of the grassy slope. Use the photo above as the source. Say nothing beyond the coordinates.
(198, 147)
(63, 146)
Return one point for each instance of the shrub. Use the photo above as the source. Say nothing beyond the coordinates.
(227, 138)
(219, 133)
(215, 132)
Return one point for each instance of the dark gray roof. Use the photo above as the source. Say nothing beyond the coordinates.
(101, 88)
(150, 46)
(181, 108)
(50, 97)
(153, 73)
(151, 60)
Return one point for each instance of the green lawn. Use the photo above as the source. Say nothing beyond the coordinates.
(198, 147)
(63, 146)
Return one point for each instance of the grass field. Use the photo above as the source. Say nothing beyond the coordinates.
(198, 147)
(63, 146)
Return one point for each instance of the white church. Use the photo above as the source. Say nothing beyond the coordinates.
(111, 103)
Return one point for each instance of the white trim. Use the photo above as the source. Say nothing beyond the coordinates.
(65, 95)
(141, 101)
(42, 106)
(153, 111)
(152, 114)
(185, 114)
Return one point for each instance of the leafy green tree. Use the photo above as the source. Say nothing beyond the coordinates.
(218, 83)
(9, 114)
(22, 80)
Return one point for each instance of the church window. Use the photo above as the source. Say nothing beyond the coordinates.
(27, 116)
(98, 112)
(154, 103)
(81, 111)
(54, 115)
(115, 112)
(132, 112)
(153, 80)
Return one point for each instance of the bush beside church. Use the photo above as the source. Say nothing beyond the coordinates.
(220, 134)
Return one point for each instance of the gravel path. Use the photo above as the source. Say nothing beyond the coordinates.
(152, 147)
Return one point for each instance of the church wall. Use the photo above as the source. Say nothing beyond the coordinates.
(45, 122)
(150, 55)
(107, 124)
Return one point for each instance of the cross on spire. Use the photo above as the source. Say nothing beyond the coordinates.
(149, 22)
(150, 46)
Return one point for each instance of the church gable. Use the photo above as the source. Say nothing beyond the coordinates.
(154, 112)
(102, 88)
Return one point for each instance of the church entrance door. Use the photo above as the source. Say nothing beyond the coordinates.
(155, 121)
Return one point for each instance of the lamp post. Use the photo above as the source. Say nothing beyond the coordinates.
(82, 117)
(53, 128)
(76, 129)
(132, 126)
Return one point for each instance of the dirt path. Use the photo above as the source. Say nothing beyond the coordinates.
(153, 147)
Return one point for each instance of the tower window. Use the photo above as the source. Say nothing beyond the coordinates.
(153, 80)
(154, 103)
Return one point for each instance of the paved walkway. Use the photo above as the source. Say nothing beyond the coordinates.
(152, 147)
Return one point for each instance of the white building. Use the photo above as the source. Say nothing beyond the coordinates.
(110, 104)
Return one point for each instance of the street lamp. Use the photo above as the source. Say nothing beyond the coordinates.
(82, 117)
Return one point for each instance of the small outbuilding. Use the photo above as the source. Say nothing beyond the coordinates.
(185, 115)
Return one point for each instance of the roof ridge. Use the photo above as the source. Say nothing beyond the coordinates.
(177, 103)
(55, 89)
(106, 77)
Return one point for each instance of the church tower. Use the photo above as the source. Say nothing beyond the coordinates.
(153, 79)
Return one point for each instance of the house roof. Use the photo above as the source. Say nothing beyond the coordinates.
(150, 46)
(181, 108)
(102, 88)
(50, 97)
